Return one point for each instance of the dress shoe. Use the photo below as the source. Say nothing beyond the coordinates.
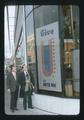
(12, 110)
(31, 107)
(16, 109)
(25, 108)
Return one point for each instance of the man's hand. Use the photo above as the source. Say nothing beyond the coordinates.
(8, 90)
(27, 81)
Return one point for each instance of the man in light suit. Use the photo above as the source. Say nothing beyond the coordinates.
(26, 86)
(13, 87)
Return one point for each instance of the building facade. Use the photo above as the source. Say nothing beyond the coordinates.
(47, 40)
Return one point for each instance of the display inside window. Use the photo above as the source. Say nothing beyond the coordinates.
(71, 45)
(67, 21)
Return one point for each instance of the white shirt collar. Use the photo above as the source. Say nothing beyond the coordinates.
(14, 74)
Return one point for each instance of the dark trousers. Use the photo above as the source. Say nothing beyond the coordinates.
(27, 99)
(13, 100)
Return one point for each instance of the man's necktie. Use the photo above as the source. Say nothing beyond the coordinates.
(27, 75)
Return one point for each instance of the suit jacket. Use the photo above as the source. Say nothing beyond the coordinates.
(12, 84)
(22, 80)
(31, 77)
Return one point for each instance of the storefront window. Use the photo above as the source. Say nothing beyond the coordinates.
(28, 9)
(29, 25)
(67, 21)
(75, 10)
(48, 14)
(71, 50)
(45, 17)
(31, 58)
(48, 48)
(46, 21)
(20, 51)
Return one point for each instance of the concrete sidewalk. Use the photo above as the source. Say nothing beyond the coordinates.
(21, 111)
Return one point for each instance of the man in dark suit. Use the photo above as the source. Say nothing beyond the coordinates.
(26, 86)
(13, 87)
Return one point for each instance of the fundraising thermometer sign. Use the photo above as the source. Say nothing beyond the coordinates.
(48, 57)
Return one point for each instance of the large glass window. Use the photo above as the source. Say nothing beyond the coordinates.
(71, 50)
(48, 14)
(29, 25)
(47, 25)
(20, 51)
(75, 14)
(45, 17)
(48, 48)
(28, 9)
(31, 58)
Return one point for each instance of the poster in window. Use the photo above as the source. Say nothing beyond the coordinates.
(48, 57)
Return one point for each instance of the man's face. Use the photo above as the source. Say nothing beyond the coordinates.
(25, 67)
(14, 69)
(9, 69)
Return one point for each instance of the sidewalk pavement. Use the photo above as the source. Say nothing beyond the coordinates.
(21, 111)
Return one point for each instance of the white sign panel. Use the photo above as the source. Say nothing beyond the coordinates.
(48, 57)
